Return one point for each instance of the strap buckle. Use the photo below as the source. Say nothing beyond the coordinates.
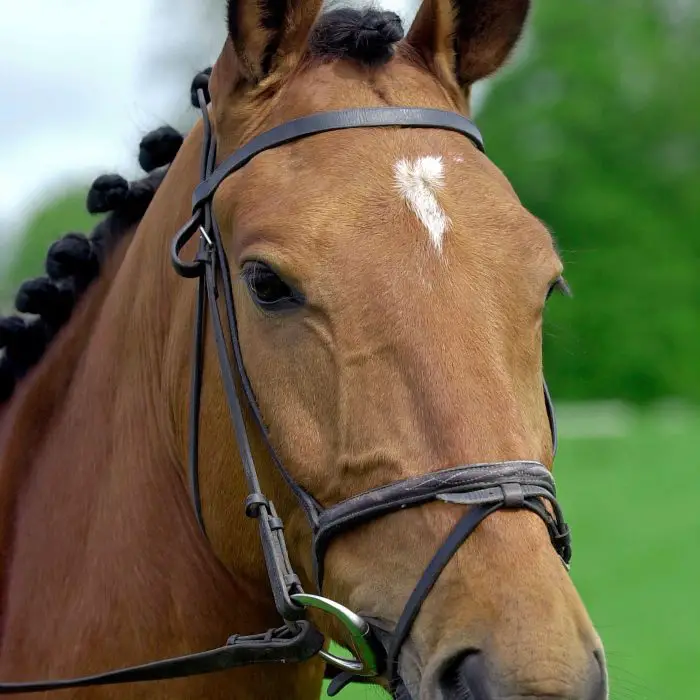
(364, 661)
(203, 233)
(283, 581)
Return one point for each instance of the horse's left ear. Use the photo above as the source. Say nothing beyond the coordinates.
(267, 35)
(467, 39)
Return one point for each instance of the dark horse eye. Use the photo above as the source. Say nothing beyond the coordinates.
(268, 289)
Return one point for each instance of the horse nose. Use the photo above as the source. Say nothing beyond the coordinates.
(472, 676)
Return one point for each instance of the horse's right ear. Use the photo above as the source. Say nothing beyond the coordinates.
(463, 41)
(268, 35)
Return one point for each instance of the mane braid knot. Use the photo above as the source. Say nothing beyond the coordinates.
(200, 82)
(367, 36)
(107, 193)
(159, 148)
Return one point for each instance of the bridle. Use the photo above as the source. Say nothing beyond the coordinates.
(485, 488)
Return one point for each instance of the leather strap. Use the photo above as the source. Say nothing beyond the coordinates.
(466, 525)
(281, 645)
(295, 129)
(472, 484)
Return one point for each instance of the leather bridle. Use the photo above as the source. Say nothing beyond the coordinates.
(485, 488)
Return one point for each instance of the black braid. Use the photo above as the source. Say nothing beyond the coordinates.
(107, 194)
(159, 148)
(200, 82)
(73, 262)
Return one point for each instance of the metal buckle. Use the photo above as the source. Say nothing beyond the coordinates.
(203, 233)
(365, 661)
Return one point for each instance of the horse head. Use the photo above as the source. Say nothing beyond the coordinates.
(387, 291)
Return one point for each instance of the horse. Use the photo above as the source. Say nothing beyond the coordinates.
(387, 290)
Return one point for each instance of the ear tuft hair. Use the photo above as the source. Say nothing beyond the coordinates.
(159, 148)
(107, 193)
(367, 36)
(200, 82)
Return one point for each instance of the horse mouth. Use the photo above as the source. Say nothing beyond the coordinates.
(409, 679)
(456, 691)
(443, 681)
(401, 692)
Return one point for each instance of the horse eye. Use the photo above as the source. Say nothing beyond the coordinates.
(268, 290)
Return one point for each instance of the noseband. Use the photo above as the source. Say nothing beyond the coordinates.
(485, 488)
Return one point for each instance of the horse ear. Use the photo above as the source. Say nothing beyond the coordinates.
(467, 39)
(267, 35)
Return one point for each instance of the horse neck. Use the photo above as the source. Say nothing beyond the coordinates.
(41, 395)
(104, 562)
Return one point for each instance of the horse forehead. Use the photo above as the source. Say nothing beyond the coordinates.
(376, 195)
(358, 173)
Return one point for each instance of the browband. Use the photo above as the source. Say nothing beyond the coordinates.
(413, 117)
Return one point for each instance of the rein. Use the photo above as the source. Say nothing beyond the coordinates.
(486, 488)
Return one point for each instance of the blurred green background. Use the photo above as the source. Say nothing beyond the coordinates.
(597, 124)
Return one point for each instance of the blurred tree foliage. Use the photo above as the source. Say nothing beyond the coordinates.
(597, 127)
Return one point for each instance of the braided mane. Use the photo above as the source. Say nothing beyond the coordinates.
(45, 304)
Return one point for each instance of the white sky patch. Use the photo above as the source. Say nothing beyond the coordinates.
(418, 181)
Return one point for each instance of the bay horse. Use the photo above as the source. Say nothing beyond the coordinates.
(389, 289)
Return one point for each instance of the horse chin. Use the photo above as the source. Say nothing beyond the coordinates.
(410, 670)
(459, 691)
(410, 676)
(402, 693)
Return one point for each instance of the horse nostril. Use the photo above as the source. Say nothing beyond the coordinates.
(465, 678)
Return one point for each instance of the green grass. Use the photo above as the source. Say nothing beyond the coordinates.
(633, 502)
